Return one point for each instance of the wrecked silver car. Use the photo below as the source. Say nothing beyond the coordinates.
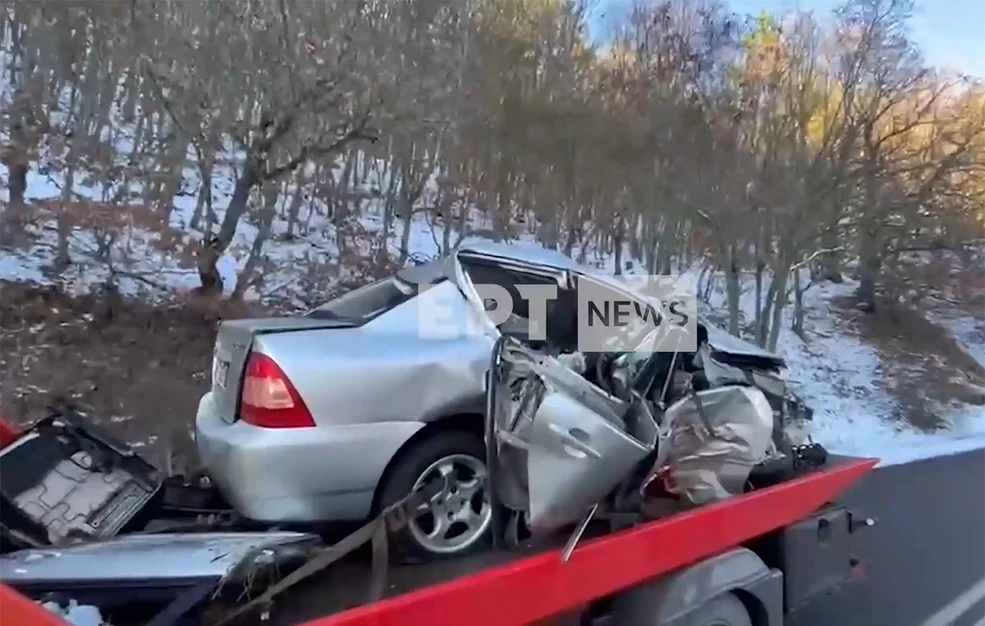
(565, 434)
(339, 413)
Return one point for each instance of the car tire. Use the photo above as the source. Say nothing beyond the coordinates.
(724, 610)
(409, 544)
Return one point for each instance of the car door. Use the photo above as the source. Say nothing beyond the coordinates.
(564, 443)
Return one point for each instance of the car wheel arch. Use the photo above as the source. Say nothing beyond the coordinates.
(471, 423)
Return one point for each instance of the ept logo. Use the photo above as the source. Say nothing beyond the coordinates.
(610, 317)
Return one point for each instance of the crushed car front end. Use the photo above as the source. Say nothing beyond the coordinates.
(709, 424)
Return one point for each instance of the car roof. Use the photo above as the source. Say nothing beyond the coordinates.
(535, 254)
(521, 251)
(538, 255)
(425, 273)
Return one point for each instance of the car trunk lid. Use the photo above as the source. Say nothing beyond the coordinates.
(233, 343)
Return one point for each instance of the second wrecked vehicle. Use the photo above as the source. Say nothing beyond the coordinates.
(336, 414)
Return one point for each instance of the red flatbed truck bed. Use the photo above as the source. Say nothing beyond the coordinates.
(532, 586)
(770, 551)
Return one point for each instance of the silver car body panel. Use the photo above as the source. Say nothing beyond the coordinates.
(531, 256)
(719, 373)
(234, 343)
(297, 474)
(149, 557)
(390, 372)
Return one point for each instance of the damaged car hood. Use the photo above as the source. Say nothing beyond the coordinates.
(725, 343)
(149, 557)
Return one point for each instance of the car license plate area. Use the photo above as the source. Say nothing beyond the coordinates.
(220, 372)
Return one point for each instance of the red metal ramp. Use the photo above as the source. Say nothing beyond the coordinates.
(16, 610)
(541, 586)
(9, 433)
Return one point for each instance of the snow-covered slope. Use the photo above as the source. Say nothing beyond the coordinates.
(837, 373)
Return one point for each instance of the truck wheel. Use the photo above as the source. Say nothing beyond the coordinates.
(725, 610)
(458, 519)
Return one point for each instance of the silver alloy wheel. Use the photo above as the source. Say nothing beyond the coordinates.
(458, 515)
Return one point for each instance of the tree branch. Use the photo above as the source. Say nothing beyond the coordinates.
(358, 133)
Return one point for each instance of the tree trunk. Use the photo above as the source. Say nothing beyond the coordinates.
(199, 208)
(617, 245)
(64, 225)
(462, 222)
(215, 247)
(798, 306)
(446, 206)
(173, 163)
(732, 288)
(760, 326)
(18, 158)
(17, 181)
(390, 201)
(294, 208)
(204, 200)
(831, 261)
(702, 277)
(779, 303)
(869, 267)
(407, 217)
(271, 193)
(870, 254)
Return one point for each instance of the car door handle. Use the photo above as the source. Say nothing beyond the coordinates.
(575, 439)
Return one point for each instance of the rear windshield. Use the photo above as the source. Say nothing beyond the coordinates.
(367, 302)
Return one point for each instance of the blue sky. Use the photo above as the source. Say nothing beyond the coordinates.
(951, 33)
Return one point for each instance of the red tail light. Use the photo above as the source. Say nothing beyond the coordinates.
(269, 399)
(9, 433)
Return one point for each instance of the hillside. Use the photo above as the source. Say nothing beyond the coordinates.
(145, 366)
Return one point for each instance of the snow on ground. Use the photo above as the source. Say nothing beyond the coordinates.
(969, 331)
(836, 374)
(834, 370)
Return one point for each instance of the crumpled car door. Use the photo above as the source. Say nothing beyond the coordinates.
(563, 444)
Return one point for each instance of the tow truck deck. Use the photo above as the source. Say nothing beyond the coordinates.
(531, 583)
(776, 548)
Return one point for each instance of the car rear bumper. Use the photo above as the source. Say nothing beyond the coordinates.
(320, 474)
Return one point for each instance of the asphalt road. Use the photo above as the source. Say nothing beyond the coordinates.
(926, 557)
